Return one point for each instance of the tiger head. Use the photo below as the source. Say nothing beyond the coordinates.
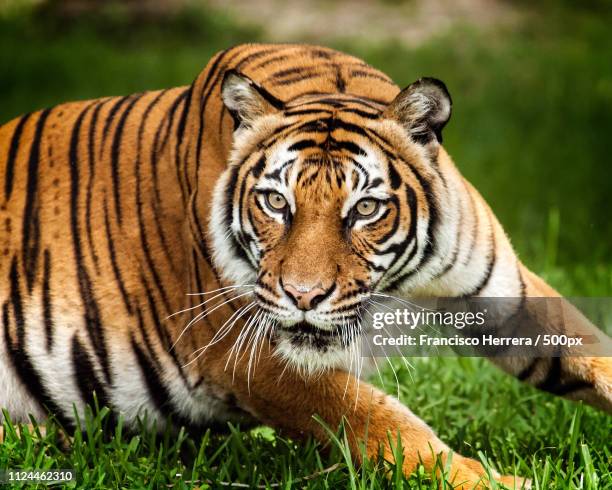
(325, 203)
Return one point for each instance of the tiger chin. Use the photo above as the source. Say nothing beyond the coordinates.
(211, 252)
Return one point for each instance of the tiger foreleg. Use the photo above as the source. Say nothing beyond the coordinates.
(579, 372)
(373, 420)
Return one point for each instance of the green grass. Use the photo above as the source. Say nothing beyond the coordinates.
(531, 125)
(479, 411)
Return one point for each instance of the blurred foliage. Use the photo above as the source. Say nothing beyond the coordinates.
(532, 103)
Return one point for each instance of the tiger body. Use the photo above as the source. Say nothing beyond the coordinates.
(73, 309)
(114, 209)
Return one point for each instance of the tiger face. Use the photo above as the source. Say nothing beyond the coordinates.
(324, 204)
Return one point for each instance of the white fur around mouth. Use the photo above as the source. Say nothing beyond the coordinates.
(311, 350)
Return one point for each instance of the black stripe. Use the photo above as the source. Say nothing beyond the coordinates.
(490, 264)
(401, 247)
(162, 236)
(396, 221)
(276, 174)
(368, 102)
(180, 131)
(565, 389)
(299, 78)
(475, 226)
(139, 205)
(155, 148)
(361, 113)
(212, 79)
(346, 145)
(109, 118)
(297, 70)
(259, 167)
(303, 112)
(86, 377)
(528, 371)
(369, 74)
(269, 61)
(28, 375)
(203, 97)
(145, 336)
(244, 62)
(12, 156)
(337, 123)
(115, 150)
(170, 116)
(162, 333)
(282, 131)
(197, 273)
(340, 81)
(46, 300)
(92, 313)
(159, 394)
(229, 193)
(317, 53)
(302, 145)
(432, 224)
(31, 218)
(197, 231)
(552, 377)
(394, 176)
(242, 194)
(553, 381)
(113, 256)
(91, 146)
(456, 247)
(432, 205)
(180, 128)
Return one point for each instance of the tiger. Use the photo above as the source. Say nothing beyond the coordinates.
(152, 243)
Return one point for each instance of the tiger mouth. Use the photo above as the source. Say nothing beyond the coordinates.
(305, 328)
(304, 334)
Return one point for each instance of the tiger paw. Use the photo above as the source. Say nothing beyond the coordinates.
(469, 480)
(470, 474)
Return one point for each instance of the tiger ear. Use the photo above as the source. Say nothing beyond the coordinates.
(246, 100)
(423, 108)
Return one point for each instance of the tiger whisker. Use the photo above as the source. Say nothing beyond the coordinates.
(221, 289)
(238, 343)
(382, 381)
(258, 340)
(345, 340)
(202, 350)
(200, 304)
(204, 314)
(251, 345)
(269, 328)
(225, 329)
(358, 360)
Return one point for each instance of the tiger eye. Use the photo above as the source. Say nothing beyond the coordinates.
(276, 201)
(367, 207)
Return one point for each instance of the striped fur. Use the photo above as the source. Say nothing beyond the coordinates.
(113, 209)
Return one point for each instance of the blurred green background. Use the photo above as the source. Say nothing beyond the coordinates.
(532, 90)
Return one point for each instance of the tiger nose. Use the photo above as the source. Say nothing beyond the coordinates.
(305, 298)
